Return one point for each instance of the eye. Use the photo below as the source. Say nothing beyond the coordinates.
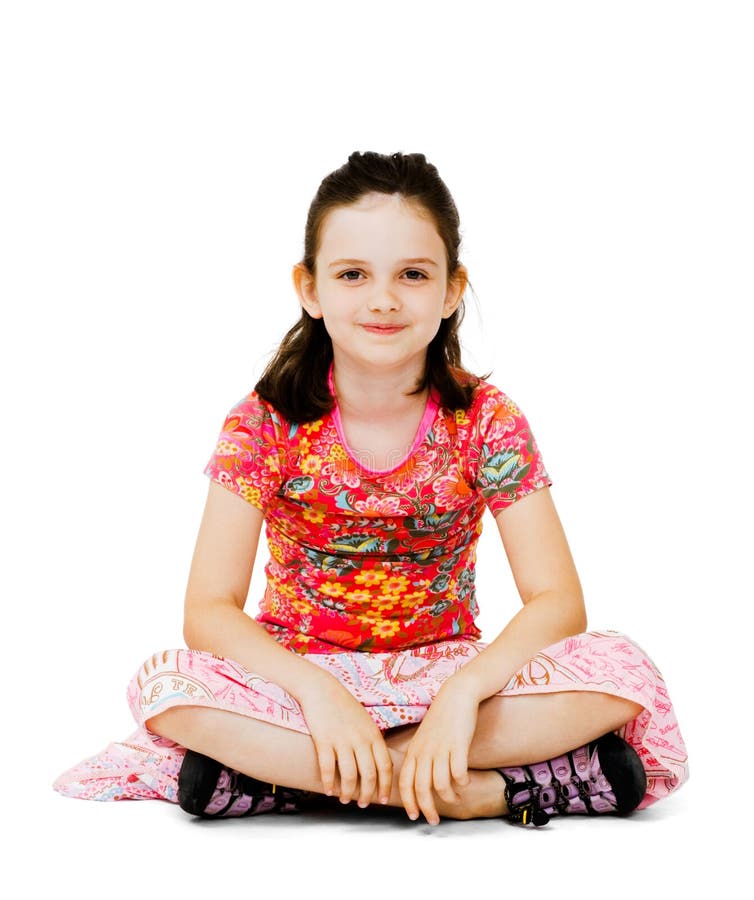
(349, 272)
(416, 272)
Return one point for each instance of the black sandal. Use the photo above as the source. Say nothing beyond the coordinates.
(208, 789)
(605, 776)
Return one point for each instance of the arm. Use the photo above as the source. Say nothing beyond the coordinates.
(550, 590)
(218, 584)
(553, 608)
(346, 739)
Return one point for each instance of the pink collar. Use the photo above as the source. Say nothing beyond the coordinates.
(430, 411)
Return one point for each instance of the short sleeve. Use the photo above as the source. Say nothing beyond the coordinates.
(507, 461)
(247, 456)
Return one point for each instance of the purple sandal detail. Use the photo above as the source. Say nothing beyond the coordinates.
(605, 776)
(208, 789)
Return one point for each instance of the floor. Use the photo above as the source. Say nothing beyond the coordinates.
(152, 848)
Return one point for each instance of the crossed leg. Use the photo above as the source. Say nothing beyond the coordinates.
(510, 731)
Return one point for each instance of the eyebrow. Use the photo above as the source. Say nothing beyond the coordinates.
(363, 262)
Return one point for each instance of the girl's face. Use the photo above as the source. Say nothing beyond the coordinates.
(381, 284)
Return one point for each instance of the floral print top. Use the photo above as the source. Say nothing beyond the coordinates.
(370, 560)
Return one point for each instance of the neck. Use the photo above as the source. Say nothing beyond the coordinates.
(365, 395)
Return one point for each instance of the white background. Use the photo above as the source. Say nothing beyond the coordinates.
(158, 161)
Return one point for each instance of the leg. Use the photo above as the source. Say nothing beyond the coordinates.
(529, 728)
(535, 732)
(281, 756)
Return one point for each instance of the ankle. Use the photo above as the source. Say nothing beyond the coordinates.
(482, 798)
(491, 801)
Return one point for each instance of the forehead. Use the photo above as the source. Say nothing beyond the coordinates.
(379, 226)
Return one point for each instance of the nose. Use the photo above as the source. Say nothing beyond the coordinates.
(383, 300)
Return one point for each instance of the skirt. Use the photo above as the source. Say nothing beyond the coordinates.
(396, 688)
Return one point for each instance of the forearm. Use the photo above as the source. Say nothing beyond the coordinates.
(226, 630)
(545, 619)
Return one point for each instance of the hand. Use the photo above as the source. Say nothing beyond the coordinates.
(438, 752)
(348, 743)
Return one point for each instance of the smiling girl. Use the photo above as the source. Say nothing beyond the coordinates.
(369, 455)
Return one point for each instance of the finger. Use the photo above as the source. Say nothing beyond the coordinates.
(326, 759)
(406, 787)
(384, 770)
(348, 774)
(367, 775)
(459, 766)
(441, 780)
(423, 787)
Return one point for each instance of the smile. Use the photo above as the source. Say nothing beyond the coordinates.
(383, 329)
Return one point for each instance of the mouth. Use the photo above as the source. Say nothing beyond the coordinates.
(382, 329)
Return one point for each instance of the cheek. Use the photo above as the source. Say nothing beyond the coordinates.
(433, 322)
(333, 325)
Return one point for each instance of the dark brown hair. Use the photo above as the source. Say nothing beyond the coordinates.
(295, 380)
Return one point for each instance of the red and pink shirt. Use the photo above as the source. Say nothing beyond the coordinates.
(375, 560)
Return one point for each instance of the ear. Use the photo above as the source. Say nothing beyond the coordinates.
(454, 294)
(303, 282)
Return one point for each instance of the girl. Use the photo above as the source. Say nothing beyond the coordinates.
(369, 453)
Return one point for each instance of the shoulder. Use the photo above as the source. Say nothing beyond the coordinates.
(494, 420)
(251, 403)
(488, 398)
(253, 409)
(248, 458)
(252, 418)
(503, 457)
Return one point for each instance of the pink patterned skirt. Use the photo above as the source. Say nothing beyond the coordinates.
(395, 688)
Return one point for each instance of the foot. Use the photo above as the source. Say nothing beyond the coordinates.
(605, 776)
(208, 789)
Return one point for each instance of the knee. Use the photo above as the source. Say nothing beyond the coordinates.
(172, 723)
(630, 709)
(622, 705)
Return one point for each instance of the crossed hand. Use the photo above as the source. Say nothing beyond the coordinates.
(354, 760)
